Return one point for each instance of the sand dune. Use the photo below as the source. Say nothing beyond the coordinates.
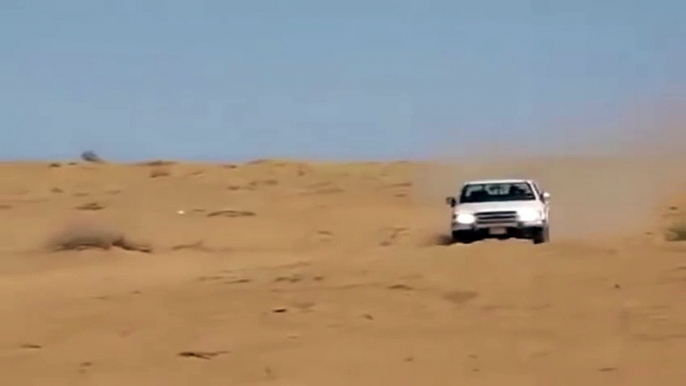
(296, 273)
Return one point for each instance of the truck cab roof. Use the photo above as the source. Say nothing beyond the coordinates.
(498, 181)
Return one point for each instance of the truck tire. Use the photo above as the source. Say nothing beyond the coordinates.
(541, 235)
(462, 238)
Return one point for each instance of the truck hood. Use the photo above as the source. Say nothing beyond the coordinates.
(498, 206)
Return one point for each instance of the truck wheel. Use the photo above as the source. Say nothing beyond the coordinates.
(541, 235)
(462, 238)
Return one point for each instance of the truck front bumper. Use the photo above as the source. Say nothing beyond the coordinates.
(505, 230)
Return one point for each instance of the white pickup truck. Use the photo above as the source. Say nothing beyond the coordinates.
(510, 208)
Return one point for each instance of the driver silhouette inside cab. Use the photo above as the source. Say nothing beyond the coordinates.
(518, 191)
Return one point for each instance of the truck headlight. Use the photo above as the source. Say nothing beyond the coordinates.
(465, 218)
(529, 215)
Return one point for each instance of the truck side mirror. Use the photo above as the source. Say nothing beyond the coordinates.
(450, 201)
(546, 196)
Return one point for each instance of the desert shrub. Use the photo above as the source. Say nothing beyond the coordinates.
(79, 235)
(159, 172)
(90, 156)
(91, 206)
(156, 163)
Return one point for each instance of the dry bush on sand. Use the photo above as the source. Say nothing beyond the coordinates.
(80, 235)
(231, 213)
(157, 163)
(90, 156)
(159, 172)
(91, 206)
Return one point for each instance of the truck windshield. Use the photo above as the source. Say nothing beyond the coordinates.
(519, 191)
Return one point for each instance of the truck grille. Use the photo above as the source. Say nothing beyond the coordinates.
(496, 218)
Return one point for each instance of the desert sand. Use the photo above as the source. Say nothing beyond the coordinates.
(304, 273)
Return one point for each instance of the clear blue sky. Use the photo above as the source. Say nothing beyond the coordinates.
(312, 78)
